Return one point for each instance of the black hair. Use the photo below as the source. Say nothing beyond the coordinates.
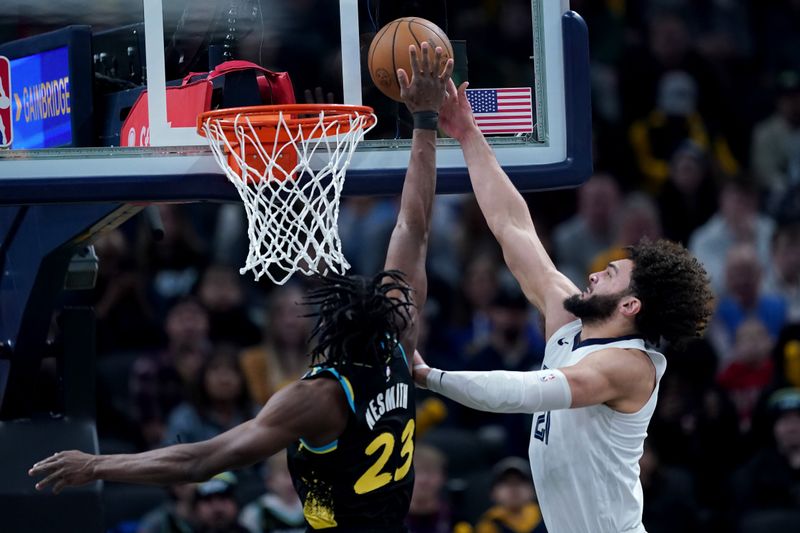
(674, 289)
(356, 317)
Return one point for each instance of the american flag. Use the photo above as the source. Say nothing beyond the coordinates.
(507, 110)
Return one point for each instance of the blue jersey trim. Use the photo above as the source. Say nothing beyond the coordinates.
(320, 449)
(343, 381)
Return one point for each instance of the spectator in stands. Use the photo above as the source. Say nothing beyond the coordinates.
(783, 275)
(222, 294)
(430, 510)
(668, 492)
(515, 508)
(215, 506)
(220, 402)
(591, 230)
(736, 221)
(514, 344)
(639, 220)
(770, 482)
(365, 226)
(689, 197)
(696, 427)
(160, 381)
(172, 264)
(125, 318)
(741, 299)
(675, 118)
(174, 516)
(479, 285)
(282, 356)
(280, 509)
(776, 140)
(750, 369)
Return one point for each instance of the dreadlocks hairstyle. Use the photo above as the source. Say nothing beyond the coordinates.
(674, 290)
(356, 317)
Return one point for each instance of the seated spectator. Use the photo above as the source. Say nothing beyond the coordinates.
(479, 285)
(172, 264)
(174, 516)
(689, 197)
(282, 356)
(160, 381)
(750, 369)
(215, 506)
(741, 299)
(776, 140)
(668, 495)
(783, 275)
(125, 318)
(591, 230)
(675, 118)
(515, 509)
(514, 344)
(770, 481)
(737, 221)
(221, 292)
(220, 402)
(429, 511)
(639, 220)
(280, 509)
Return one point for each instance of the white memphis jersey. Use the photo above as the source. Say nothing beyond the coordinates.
(585, 461)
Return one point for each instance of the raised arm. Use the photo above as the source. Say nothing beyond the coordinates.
(507, 214)
(290, 414)
(423, 95)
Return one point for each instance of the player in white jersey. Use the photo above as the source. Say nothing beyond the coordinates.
(593, 398)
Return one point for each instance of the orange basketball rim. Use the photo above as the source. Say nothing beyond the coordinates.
(259, 135)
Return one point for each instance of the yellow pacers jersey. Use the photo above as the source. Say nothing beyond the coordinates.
(362, 482)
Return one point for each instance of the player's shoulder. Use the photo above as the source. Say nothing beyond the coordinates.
(621, 364)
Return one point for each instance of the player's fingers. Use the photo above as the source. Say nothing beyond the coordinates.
(402, 79)
(59, 486)
(330, 97)
(44, 464)
(448, 70)
(308, 96)
(462, 92)
(412, 55)
(451, 90)
(320, 98)
(425, 52)
(437, 61)
(48, 480)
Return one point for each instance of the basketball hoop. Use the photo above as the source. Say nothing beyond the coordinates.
(288, 163)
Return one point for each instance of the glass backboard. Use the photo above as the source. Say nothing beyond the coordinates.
(79, 67)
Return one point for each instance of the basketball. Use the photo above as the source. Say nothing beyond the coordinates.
(389, 50)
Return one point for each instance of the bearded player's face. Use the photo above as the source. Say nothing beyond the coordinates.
(601, 298)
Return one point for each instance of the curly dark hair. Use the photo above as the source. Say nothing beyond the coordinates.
(674, 290)
(356, 315)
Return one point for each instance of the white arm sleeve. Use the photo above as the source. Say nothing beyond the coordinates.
(501, 391)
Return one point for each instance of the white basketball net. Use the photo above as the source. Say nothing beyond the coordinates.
(292, 213)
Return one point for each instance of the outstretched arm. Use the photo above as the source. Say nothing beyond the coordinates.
(290, 414)
(622, 379)
(408, 246)
(507, 215)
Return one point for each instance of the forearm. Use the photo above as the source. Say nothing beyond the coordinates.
(174, 464)
(501, 391)
(409, 243)
(416, 203)
(499, 200)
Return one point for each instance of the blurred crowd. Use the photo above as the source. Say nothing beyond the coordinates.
(697, 139)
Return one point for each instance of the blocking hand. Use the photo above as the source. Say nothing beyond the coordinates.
(426, 89)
